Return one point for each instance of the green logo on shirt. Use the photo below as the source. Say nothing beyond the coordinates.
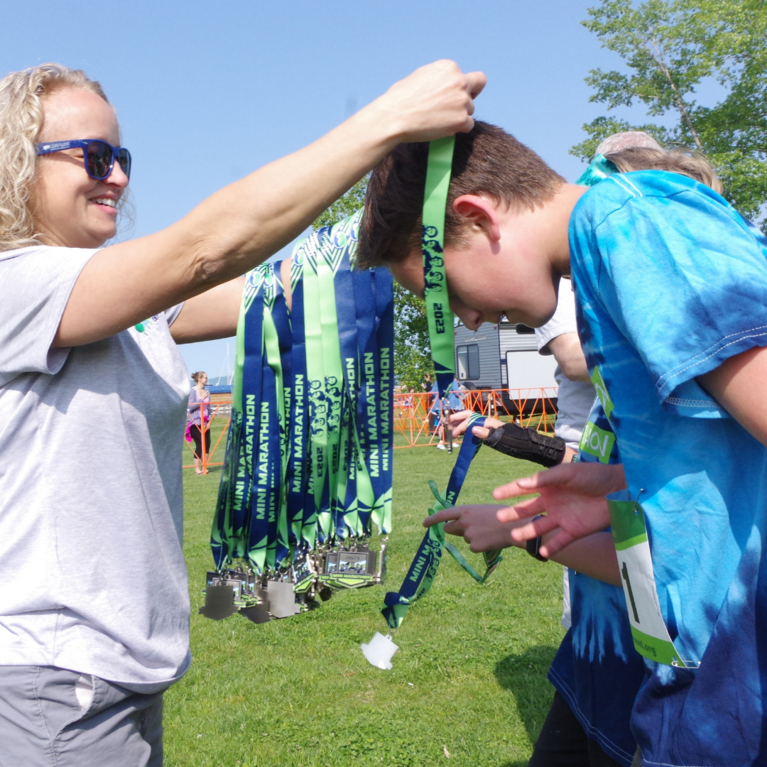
(597, 442)
(602, 393)
(146, 325)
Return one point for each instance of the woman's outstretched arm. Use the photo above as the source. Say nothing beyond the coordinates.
(244, 223)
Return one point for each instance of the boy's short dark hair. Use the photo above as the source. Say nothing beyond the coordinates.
(487, 161)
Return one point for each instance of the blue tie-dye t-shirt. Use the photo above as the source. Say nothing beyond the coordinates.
(670, 282)
(596, 669)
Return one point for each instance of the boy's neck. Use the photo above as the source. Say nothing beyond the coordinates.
(549, 226)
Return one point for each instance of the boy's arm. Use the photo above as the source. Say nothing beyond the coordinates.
(738, 385)
(480, 527)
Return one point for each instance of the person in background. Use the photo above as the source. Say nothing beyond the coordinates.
(439, 416)
(198, 413)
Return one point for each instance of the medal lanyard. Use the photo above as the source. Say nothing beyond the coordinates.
(439, 315)
(384, 292)
(440, 319)
(232, 509)
(423, 570)
(356, 320)
(266, 455)
(299, 464)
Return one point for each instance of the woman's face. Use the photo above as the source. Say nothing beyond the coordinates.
(202, 379)
(72, 209)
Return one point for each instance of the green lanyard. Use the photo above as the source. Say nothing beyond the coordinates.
(439, 315)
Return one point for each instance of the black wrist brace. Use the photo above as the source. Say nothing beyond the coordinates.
(527, 444)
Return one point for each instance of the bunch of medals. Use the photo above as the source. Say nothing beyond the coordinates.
(308, 466)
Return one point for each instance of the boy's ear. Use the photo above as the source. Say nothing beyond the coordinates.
(480, 214)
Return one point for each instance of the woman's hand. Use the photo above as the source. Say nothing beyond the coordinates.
(434, 101)
(572, 497)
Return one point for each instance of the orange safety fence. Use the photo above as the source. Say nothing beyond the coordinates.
(412, 426)
(531, 407)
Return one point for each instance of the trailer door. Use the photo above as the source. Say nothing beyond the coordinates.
(529, 370)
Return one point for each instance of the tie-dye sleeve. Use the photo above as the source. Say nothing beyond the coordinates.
(679, 272)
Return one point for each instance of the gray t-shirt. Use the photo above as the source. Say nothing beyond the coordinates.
(92, 572)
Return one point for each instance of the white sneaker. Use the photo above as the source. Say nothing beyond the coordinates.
(456, 444)
(441, 446)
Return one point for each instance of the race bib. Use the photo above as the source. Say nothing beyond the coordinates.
(651, 637)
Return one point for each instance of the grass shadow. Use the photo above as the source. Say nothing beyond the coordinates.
(525, 676)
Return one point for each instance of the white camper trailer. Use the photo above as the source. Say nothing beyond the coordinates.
(502, 356)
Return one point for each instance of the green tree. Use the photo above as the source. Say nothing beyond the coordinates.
(671, 47)
(412, 353)
(344, 206)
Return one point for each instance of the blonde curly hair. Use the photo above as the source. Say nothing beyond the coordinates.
(21, 122)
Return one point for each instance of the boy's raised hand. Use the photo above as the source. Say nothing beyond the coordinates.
(572, 498)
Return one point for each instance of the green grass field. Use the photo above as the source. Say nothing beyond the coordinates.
(469, 680)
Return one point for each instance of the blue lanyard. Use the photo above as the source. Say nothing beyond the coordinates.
(384, 290)
(423, 570)
(298, 465)
(367, 377)
(347, 519)
(266, 457)
(286, 541)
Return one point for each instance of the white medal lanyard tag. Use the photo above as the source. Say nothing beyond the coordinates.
(651, 637)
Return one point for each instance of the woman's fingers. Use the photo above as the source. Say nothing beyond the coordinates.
(476, 82)
(435, 100)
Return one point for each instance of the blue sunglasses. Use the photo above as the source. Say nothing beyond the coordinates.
(98, 156)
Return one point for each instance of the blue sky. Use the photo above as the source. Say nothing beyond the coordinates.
(208, 91)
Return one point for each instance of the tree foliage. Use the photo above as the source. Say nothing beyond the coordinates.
(412, 353)
(670, 48)
(344, 206)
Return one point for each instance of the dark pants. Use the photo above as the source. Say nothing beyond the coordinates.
(563, 742)
(196, 434)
